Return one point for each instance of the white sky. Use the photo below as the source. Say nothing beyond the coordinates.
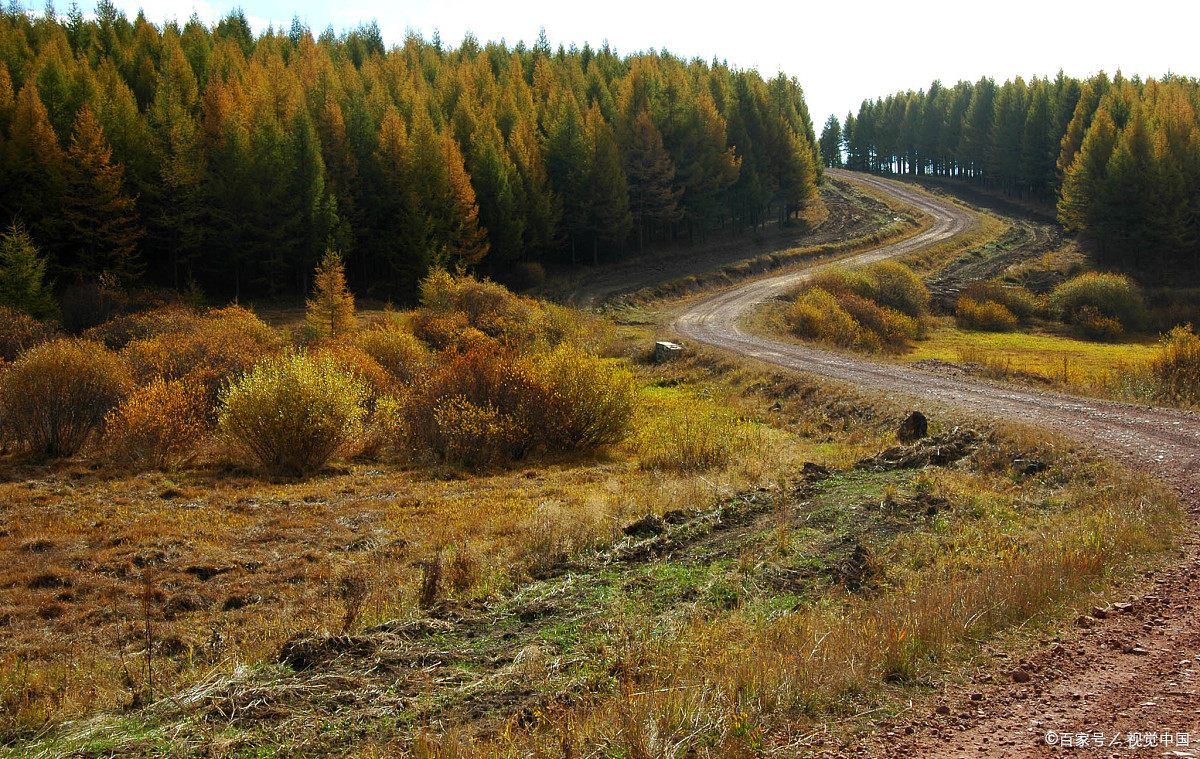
(841, 52)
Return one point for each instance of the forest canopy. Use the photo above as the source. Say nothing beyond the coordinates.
(1119, 157)
(175, 154)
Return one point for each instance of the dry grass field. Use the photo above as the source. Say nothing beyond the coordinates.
(742, 568)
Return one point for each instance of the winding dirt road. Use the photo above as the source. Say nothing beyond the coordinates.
(1089, 684)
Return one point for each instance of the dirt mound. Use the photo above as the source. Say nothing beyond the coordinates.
(940, 450)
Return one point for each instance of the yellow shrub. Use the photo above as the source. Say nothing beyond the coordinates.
(1019, 301)
(359, 364)
(987, 316)
(818, 316)
(159, 423)
(486, 406)
(19, 332)
(119, 332)
(883, 325)
(397, 350)
(472, 435)
(588, 401)
(478, 300)
(1094, 325)
(484, 378)
(838, 281)
(223, 345)
(897, 287)
(293, 412)
(447, 331)
(489, 308)
(57, 395)
(1175, 369)
(1112, 296)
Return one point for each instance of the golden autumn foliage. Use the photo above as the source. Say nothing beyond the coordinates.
(986, 316)
(292, 412)
(397, 350)
(159, 424)
(55, 397)
(880, 306)
(330, 310)
(224, 344)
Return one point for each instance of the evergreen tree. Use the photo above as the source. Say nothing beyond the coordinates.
(100, 218)
(330, 310)
(831, 143)
(653, 197)
(1078, 203)
(568, 165)
(36, 169)
(23, 273)
(609, 220)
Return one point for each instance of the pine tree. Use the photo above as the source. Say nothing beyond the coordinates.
(22, 274)
(99, 216)
(653, 196)
(35, 168)
(330, 310)
(568, 163)
(1077, 204)
(831, 143)
(8, 101)
(609, 217)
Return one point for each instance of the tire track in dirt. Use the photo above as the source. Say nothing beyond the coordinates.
(1088, 683)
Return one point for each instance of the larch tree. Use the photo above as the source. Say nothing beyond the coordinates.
(609, 218)
(36, 169)
(653, 196)
(99, 216)
(330, 310)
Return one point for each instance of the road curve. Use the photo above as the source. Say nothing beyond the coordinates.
(1162, 440)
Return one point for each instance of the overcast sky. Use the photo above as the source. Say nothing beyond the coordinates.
(841, 52)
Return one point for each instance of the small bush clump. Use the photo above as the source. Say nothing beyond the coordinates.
(472, 435)
(359, 364)
(880, 306)
(588, 401)
(486, 407)
(897, 287)
(224, 344)
(121, 331)
(838, 281)
(293, 412)
(1108, 296)
(1175, 370)
(397, 350)
(684, 434)
(19, 332)
(818, 315)
(159, 423)
(985, 316)
(491, 309)
(1016, 299)
(56, 396)
(1094, 325)
(449, 331)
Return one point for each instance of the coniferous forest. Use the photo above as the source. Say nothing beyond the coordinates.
(188, 154)
(1119, 157)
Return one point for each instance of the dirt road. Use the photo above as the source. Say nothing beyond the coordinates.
(1133, 672)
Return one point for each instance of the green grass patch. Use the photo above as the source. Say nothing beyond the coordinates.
(1054, 359)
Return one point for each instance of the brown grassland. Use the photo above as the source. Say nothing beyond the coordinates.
(712, 558)
(700, 586)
